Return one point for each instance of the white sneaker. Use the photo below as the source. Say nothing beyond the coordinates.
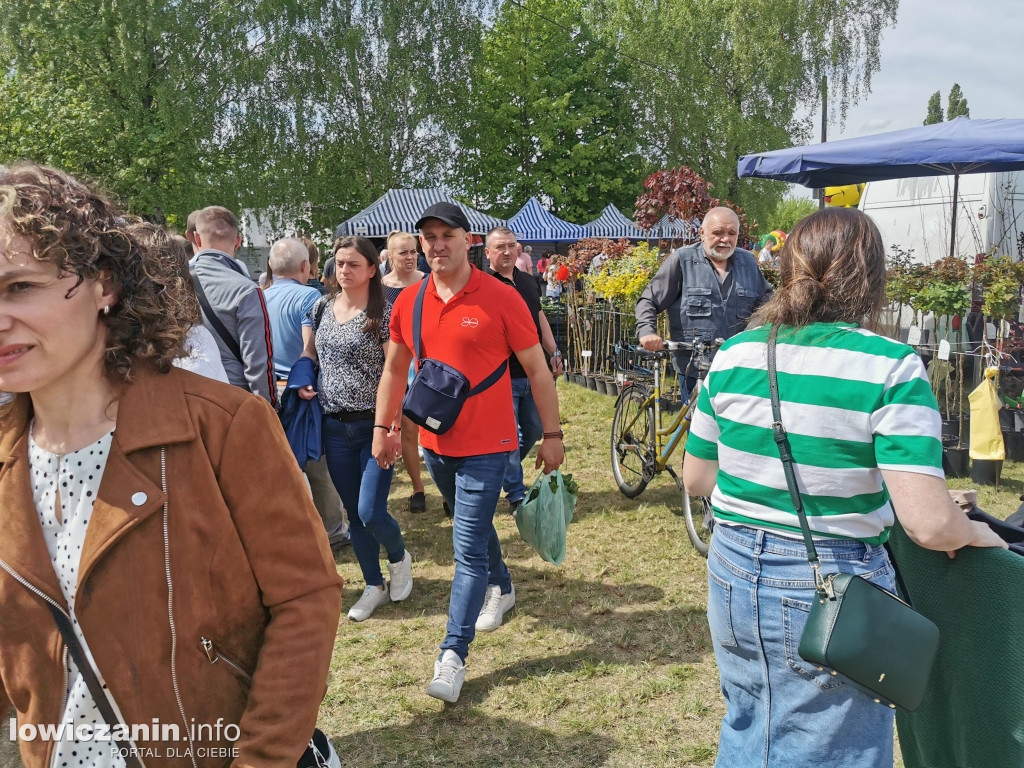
(449, 672)
(401, 578)
(372, 598)
(496, 605)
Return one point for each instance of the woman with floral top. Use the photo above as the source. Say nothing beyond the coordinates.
(349, 340)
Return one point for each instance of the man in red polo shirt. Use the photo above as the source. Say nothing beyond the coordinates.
(472, 322)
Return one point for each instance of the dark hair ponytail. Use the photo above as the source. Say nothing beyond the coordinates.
(375, 299)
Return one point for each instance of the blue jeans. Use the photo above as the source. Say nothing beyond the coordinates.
(781, 712)
(363, 487)
(472, 486)
(530, 431)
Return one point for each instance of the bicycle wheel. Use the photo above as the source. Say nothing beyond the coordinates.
(700, 521)
(633, 448)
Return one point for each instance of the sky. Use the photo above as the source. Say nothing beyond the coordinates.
(935, 43)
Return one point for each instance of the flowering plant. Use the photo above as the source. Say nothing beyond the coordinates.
(622, 277)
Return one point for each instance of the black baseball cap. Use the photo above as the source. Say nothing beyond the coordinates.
(449, 213)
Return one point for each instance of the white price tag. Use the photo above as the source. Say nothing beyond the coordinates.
(914, 336)
(990, 330)
(943, 350)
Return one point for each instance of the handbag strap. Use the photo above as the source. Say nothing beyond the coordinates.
(417, 327)
(786, 452)
(92, 682)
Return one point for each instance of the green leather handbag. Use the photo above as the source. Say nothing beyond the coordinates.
(855, 628)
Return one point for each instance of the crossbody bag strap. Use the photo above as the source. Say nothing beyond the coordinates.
(92, 682)
(493, 378)
(218, 326)
(417, 320)
(785, 451)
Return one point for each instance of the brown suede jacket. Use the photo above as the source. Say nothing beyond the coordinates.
(256, 592)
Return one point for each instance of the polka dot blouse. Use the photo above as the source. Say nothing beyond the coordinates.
(71, 481)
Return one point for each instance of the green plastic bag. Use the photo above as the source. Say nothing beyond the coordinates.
(545, 515)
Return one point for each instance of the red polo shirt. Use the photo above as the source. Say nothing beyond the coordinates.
(474, 332)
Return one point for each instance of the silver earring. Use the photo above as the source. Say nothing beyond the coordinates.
(106, 310)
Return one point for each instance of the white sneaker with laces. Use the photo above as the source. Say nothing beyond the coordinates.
(496, 605)
(449, 673)
(401, 578)
(371, 599)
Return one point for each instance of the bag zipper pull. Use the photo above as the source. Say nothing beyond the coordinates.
(208, 647)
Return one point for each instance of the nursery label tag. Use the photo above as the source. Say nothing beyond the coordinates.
(990, 330)
(914, 336)
(943, 350)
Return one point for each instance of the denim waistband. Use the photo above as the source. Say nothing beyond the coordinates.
(364, 415)
(764, 540)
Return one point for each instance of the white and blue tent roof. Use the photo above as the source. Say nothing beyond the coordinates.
(674, 229)
(400, 209)
(613, 224)
(533, 223)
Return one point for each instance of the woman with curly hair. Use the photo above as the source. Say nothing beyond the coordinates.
(164, 579)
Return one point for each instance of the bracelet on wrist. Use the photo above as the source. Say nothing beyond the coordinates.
(381, 426)
(559, 434)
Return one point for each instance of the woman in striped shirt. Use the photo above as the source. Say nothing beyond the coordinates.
(864, 428)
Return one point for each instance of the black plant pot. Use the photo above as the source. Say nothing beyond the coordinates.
(601, 385)
(613, 388)
(592, 382)
(1014, 442)
(956, 461)
(986, 471)
(1006, 420)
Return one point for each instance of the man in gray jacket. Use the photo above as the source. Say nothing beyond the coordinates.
(233, 307)
(710, 290)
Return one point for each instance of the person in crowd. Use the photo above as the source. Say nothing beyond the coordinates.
(471, 322)
(710, 290)
(501, 249)
(233, 307)
(384, 262)
(202, 355)
(542, 272)
(404, 256)
(554, 285)
(864, 428)
(349, 341)
(288, 301)
(524, 260)
(190, 236)
(314, 266)
(330, 277)
(154, 520)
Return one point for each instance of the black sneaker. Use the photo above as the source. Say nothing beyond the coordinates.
(447, 509)
(418, 503)
(513, 507)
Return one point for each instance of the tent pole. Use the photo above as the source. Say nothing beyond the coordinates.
(952, 235)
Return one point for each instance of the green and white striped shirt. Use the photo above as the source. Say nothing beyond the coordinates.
(853, 403)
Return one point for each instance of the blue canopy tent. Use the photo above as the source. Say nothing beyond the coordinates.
(401, 208)
(534, 224)
(613, 224)
(674, 229)
(943, 149)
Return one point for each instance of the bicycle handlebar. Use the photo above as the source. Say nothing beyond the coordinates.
(697, 345)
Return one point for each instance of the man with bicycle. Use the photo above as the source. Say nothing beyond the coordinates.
(710, 290)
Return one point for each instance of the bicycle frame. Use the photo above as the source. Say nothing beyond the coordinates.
(667, 439)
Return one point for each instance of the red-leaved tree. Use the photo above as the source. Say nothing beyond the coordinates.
(683, 194)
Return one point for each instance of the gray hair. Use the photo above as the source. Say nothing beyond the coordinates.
(286, 256)
(499, 230)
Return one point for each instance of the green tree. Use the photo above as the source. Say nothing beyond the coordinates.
(934, 109)
(788, 212)
(956, 104)
(716, 79)
(551, 115)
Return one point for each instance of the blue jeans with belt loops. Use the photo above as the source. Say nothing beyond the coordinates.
(472, 486)
(782, 711)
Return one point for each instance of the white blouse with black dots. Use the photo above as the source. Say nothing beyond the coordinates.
(74, 479)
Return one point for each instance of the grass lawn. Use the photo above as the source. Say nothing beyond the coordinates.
(606, 661)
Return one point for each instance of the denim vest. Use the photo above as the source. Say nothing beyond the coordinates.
(699, 312)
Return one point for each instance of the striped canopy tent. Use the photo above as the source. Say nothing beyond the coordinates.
(674, 229)
(401, 208)
(534, 224)
(612, 223)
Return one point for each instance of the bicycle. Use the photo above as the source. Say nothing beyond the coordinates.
(642, 447)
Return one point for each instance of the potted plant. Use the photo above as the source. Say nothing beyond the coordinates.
(944, 291)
